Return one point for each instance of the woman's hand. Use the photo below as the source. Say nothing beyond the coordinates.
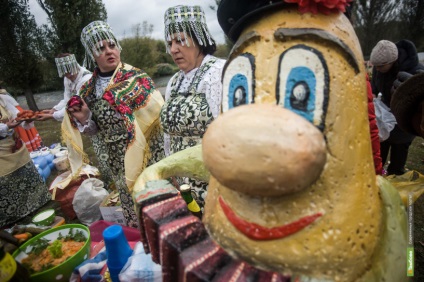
(45, 115)
(81, 112)
(402, 76)
(13, 123)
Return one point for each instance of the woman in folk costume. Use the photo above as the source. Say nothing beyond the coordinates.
(193, 95)
(120, 112)
(22, 189)
(29, 136)
(74, 77)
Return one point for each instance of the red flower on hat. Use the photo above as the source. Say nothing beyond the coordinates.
(322, 6)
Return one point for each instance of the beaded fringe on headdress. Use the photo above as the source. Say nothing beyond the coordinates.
(93, 33)
(189, 20)
(67, 64)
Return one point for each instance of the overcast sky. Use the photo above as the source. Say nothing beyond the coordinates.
(124, 14)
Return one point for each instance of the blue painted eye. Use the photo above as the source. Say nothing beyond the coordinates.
(237, 91)
(238, 82)
(303, 82)
(298, 97)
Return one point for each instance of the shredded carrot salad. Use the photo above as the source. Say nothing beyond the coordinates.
(45, 260)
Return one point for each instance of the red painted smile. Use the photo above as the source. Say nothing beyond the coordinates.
(261, 233)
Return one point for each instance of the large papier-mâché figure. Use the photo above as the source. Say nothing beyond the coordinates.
(292, 186)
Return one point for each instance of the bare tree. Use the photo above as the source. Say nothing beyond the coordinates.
(374, 21)
(412, 18)
(67, 19)
(142, 30)
(19, 49)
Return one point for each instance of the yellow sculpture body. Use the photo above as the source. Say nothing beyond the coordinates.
(340, 243)
(292, 186)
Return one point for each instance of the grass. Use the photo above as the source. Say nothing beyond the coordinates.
(415, 159)
(50, 133)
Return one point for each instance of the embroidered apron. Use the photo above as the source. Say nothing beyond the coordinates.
(109, 145)
(22, 189)
(185, 117)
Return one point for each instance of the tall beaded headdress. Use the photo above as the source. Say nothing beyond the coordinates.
(93, 33)
(189, 20)
(67, 64)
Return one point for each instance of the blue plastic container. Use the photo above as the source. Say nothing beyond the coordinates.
(117, 249)
(46, 172)
(49, 157)
(39, 169)
(41, 161)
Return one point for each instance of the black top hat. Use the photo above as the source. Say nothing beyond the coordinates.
(234, 14)
(406, 100)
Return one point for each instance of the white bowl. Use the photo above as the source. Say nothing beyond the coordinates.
(34, 154)
(61, 163)
(61, 153)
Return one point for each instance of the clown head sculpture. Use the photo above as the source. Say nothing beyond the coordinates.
(292, 185)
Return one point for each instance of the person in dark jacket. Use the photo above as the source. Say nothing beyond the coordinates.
(388, 60)
(408, 102)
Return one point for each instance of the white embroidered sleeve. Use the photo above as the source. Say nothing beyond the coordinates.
(3, 129)
(212, 87)
(59, 114)
(66, 95)
(90, 128)
(60, 105)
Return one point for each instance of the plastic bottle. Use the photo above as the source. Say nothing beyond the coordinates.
(117, 249)
(48, 157)
(192, 205)
(11, 270)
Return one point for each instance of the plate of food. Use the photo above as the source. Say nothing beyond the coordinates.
(53, 254)
(27, 115)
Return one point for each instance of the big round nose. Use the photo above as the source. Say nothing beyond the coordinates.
(264, 150)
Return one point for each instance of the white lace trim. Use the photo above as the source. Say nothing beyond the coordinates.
(101, 84)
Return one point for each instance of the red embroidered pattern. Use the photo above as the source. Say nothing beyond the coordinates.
(131, 90)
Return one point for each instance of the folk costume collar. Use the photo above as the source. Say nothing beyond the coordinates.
(129, 90)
